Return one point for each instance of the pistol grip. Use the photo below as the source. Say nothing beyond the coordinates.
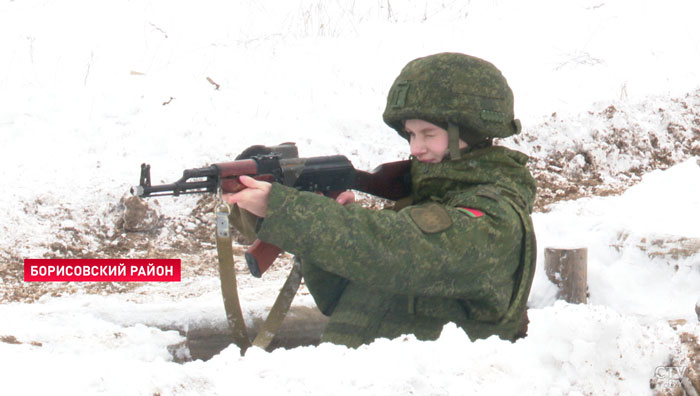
(260, 256)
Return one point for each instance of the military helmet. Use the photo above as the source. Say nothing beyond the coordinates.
(453, 88)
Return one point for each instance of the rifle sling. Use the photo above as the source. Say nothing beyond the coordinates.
(229, 286)
(279, 309)
(229, 291)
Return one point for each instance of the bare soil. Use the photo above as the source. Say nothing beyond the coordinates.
(566, 172)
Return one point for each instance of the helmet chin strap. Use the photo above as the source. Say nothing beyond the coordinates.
(473, 140)
(453, 141)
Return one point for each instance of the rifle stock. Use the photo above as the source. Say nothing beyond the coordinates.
(390, 180)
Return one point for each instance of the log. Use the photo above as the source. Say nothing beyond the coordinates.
(567, 269)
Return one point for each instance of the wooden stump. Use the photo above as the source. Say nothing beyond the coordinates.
(567, 268)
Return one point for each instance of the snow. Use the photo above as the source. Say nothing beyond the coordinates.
(620, 233)
(90, 91)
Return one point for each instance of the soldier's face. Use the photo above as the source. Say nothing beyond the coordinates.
(428, 141)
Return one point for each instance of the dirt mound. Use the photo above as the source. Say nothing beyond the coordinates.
(681, 374)
(600, 152)
(606, 151)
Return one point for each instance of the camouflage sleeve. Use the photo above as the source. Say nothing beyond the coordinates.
(405, 252)
(325, 287)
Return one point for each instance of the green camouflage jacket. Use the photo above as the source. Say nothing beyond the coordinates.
(463, 252)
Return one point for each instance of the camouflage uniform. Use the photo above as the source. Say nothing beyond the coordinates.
(463, 251)
(386, 273)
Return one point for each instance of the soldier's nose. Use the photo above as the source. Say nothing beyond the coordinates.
(417, 149)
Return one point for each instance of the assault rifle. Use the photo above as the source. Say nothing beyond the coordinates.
(329, 175)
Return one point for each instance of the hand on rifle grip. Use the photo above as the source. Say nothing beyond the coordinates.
(253, 198)
(345, 197)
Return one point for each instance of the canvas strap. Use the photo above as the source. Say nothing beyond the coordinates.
(453, 141)
(279, 309)
(229, 290)
(227, 275)
(473, 140)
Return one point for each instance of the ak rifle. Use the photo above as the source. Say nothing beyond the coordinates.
(329, 175)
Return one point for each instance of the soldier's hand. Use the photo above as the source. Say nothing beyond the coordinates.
(346, 197)
(254, 198)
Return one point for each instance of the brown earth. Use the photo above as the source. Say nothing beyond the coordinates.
(138, 230)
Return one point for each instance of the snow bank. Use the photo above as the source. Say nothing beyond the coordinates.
(570, 348)
(607, 92)
(643, 246)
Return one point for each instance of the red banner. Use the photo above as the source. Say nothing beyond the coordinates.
(101, 270)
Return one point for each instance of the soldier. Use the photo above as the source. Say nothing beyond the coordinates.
(460, 249)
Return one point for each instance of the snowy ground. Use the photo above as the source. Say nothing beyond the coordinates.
(609, 96)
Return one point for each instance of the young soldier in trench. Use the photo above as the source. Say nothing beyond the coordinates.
(463, 249)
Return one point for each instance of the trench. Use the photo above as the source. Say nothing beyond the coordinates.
(303, 326)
